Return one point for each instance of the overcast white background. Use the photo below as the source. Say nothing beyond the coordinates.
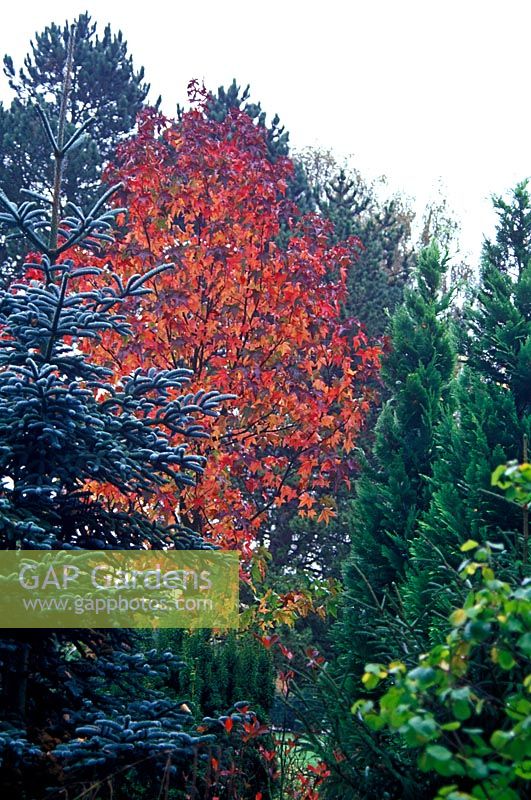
(418, 90)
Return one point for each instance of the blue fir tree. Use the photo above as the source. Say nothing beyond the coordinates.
(78, 705)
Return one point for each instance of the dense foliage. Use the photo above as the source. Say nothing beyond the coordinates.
(493, 419)
(105, 89)
(394, 489)
(386, 259)
(477, 739)
(429, 495)
(211, 377)
(247, 314)
(220, 104)
(106, 93)
(79, 705)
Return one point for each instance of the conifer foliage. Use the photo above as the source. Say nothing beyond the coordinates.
(493, 395)
(383, 265)
(105, 87)
(225, 101)
(78, 701)
(424, 502)
(393, 489)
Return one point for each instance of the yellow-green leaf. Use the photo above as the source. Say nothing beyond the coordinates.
(470, 544)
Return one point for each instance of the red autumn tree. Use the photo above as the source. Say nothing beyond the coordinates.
(249, 311)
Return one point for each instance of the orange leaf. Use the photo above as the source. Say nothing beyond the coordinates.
(326, 515)
(306, 500)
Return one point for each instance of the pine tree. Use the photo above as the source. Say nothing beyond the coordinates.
(233, 98)
(499, 345)
(343, 199)
(105, 88)
(77, 705)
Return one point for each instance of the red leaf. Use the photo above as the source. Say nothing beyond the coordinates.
(229, 724)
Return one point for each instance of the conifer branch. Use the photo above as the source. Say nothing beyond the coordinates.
(59, 152)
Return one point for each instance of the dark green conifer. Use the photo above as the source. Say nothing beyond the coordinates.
(105, 88)
(223, 669)
(382, 266)
(428, 489)
(393, 489)
(493, 397)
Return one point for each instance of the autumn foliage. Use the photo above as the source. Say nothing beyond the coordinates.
(249, 311)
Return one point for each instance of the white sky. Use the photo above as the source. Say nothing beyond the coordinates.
(418, 90)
